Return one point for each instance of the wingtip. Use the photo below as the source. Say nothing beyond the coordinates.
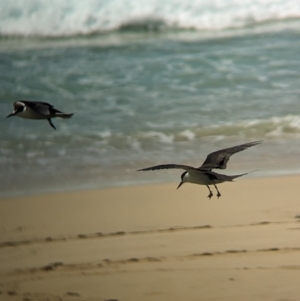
(142, 169)
(253, 170)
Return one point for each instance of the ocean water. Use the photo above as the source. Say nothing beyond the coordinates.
(150, 82)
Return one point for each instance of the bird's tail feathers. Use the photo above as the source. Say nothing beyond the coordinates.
(231, 178)
(63, 115)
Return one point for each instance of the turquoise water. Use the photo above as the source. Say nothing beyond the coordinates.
(168, 85)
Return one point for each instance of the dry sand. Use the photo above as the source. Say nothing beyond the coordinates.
(154, 243)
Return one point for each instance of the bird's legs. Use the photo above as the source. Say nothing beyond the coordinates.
(210, 192)
(218, 194)
(50, 122)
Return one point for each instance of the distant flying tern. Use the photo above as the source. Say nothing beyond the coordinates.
(37, 110)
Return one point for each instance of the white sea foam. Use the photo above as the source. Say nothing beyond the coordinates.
(275, 127)
(162, 137)
(69, 17)
(105, 134)
(188, 134)
(271, 127)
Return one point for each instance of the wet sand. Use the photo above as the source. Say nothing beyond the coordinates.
(153, 242)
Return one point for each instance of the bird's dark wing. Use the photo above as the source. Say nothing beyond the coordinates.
(38, 106)
(168, 166)
(220, 158)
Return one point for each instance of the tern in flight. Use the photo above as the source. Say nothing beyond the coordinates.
(204, 175)
(37, 110)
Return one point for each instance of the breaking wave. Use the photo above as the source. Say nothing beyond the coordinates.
(59, 18)
(286, 127)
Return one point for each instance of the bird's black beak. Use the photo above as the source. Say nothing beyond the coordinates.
(180, 184)
(12, 114)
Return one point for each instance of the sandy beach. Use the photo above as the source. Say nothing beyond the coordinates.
(154, 242)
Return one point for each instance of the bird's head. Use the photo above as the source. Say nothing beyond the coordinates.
(183, 179)
(19, 107)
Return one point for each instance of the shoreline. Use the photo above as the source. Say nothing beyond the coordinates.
(134, 183)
